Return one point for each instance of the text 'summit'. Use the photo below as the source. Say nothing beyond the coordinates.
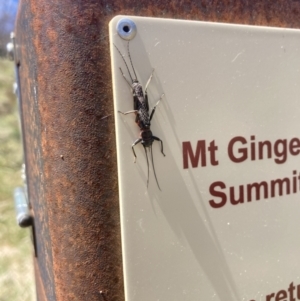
(239, 150)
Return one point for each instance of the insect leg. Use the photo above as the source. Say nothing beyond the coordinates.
(137, 141)
(161, 144)
(129, 112)
(146, 87)
(149, 80)
(153, 110)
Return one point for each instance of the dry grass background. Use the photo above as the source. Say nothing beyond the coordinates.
(16, 253)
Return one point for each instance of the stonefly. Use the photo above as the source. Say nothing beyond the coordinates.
(141, 111)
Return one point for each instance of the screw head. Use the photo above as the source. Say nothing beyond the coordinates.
(10, 51)
(126, 29)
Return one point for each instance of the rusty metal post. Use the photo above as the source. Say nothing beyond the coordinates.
(62, 53)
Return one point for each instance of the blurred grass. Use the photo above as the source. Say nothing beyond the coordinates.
(16, 264)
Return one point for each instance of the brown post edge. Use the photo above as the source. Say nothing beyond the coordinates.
(65, 87)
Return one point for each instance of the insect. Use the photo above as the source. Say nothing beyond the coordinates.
(141, 111)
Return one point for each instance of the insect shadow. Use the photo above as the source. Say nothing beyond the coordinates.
(142, 116)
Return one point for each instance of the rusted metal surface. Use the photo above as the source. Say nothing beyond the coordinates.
(65, 83)
(39, 283)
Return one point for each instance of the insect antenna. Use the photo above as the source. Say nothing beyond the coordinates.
(153, 167)
(131, 60)
(147, 166)
(125, 62)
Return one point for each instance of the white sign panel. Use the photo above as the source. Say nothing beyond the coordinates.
(225, 224)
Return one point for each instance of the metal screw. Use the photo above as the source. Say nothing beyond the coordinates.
(126, 29)
(10, 51)
(24, 218)
(15, 88)
(10, 47)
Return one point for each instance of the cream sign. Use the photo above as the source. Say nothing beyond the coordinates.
(210, 114)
